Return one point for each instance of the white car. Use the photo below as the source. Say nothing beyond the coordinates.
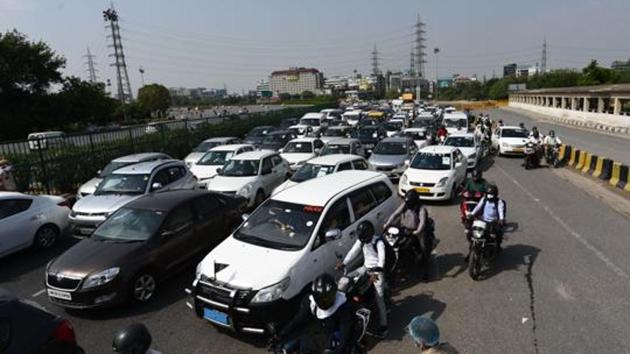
(214, 159)
(259, 274)
(419, 136)
(252, 175)
(315, 120)
(300, 150)
(206, 146)
(31, 220)
(350, 146)
(435, 172)
(324, 165)
(301, 130)
(469, 145)
(455, 122)
(509, 140)
(352, 117)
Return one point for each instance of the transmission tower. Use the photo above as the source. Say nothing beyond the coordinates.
(543, 62)
(91, 69)
(125, 94)
(412, 63)
(375, 70)
(419, 55)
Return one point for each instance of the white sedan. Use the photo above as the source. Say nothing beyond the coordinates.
(435, 172)
(509, 140)
(31, 220)
(468, 144)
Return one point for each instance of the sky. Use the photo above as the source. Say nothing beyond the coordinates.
(210, 43)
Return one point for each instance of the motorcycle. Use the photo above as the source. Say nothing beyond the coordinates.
(532, 159)
(483, 248)
(404, 250)
(552, 156)
(469, 202)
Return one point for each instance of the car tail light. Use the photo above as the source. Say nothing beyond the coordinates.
(65, 332)
(66, 203)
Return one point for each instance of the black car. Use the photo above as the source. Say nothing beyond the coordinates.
(287, 122)
(277, 139)
(257, 135)
(370, 135)
(139, 245)
(27, 328)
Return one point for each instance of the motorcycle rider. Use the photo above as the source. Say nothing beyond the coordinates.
(551, 141)
(373, 249)
(426, 336)
(491, 209)
(441, 132)
(333, 312)
(476, 183)
(133, 339)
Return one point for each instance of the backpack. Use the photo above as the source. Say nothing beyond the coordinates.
(390, 254)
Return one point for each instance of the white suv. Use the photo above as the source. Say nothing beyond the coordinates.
(259, 273)
(207, 166)
(300, 150)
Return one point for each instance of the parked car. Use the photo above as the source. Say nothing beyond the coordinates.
(316, 120)
(90, 186)
(139, 245)
(370, 136)
(418, 135)
(31, 220)
(294, 236)
(257, 135)
(251, 175)
(26, 327)
(336, 132)
(435, 172)
(509, 140)
(468, 144)
(301, 130)
(322, 166)
(392, 155)
(277, 140)
(214, 159)
(298, 151)
(124, 185)
(344, 146)
(208, 145)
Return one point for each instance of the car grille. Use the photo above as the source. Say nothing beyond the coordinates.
(229, 192)
(422, 184)
(62, 282)
(223, 294)
(78, 213)
(385, 168)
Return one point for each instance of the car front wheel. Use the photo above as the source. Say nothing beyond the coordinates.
(46, 236)
(143, 287)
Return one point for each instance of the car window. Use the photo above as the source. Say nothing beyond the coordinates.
(344, 166)
(175, 173)
(206, 207)
(267, 165)
(337, 217)
(360, 165)
(362, 202)
(162, 177)
(277, 160)
(9, 207)
(179, 218)
(381, 192)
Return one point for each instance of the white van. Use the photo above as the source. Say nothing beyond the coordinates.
(45, 140)
(456, 122)
(315, 120)
(258, 275)
(352, 117)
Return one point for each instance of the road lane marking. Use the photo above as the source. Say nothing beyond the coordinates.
(612, 266)
(39, 293)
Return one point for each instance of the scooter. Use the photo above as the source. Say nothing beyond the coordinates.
(532, 159)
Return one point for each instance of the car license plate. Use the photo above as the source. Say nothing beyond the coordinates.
(518, 150)
(423, 190)
(216, 316)
(64, 295)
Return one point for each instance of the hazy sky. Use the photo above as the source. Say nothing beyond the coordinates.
(208, 43)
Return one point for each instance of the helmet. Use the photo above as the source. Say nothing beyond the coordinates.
(535, 129)
(477, 175)
(492, 192)
(365, 231)
(424, 331)
(133, 339)
(412, 199)
(522, 125)
(324, 291)
(552, 133)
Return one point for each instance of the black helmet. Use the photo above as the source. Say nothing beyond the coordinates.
(552, 133)
(365, 231)
(477, 175)
(412, 199)
(324, 291)
(133, 339)
(492, 192)
(522, 125)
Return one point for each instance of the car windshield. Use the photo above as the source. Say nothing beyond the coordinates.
(274, 138)
(129, 225)
(335, 149)
(309, 171)
(280, 225)
(415, 135)
(454, 123)
(214, 158)
(257, 132)
(368, 133)
(460, 141)
(513, 133)
(111, 167)
(430, 161)
(241, 168)
(298, 148)
(390, 148)
(314, 122)
(392, 126)
(123, 184)
(335, 132)
(206, 145)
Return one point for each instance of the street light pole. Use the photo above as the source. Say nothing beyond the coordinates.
(436, 51)
(141, 70)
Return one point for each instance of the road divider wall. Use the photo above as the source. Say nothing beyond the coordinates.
(616, 173)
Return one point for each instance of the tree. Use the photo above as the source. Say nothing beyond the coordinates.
(498, 90)
(285, 96)
(593, 74)
(154, 98)
(80, 102)
(307, 95)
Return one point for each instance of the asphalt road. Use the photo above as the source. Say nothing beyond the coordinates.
(560, 286)
(593, 141)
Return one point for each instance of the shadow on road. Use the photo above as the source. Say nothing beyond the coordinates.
(445, 263)
(513, 258)
(485, 163)
(403, 310)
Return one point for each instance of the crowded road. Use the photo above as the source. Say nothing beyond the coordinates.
(559, 286)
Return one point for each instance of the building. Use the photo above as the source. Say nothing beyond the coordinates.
(620, 65)
(509, 70)
(296, 80)
(525, 70)
(196, 93)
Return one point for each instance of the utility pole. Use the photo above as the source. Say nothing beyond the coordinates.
(91, 70)
(141, 70)
(125, 94)
(419, 48)
(375, 70)
(436, 51)
(412, 63)
(543, 62)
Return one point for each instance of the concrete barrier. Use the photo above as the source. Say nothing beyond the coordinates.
(599, 166)
(623, 177)
(587, 163)
(607, 166)
(581, 160)
(574, 154)
(616, 173)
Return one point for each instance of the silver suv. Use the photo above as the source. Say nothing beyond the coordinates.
(124, 185)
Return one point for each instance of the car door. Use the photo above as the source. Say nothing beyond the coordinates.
(494, 138)
(177, 240)
(162, 177)
(280, 169)
(18, 223)
(324, 254)
(210, 226)
(267, 176)
(363, 204)
(459, 165)
(381, 193)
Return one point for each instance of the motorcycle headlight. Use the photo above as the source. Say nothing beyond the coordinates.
(273, 292)
(245, 191)
(101, 278)
(442, 182)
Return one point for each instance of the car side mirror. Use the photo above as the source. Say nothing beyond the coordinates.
(98, 173)
(281, 150)
(244, 217)
(317, 151)
(459, 164)
(155, 186)
(332, 235)
(407, 162)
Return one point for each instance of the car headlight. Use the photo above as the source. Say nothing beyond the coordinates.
(101, 278)
(442, 182)
(73, 213)
(403, 179)
(272, 293)
(246, 190)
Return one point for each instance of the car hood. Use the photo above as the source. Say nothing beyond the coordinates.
(297, 158)
(427, 176)
(241, 272)
(454, 130)
(90, 186)
(387, 160)
(103, 203)
(204, 171)
(90, 256)
(513, 141)
(254, 140)
(467, 151)
(286, 184)
(229, 184)
(193, 157)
